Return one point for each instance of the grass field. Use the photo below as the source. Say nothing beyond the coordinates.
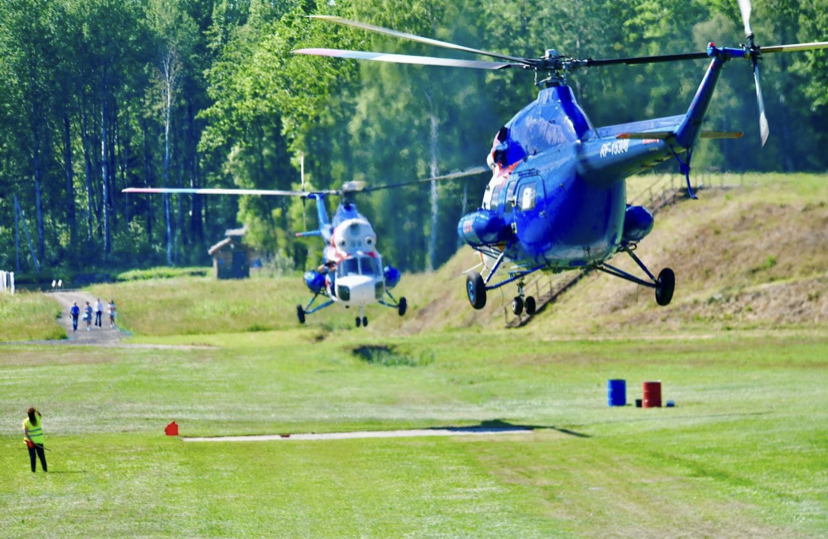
(743, 454)
(743, 351)
(28, 315)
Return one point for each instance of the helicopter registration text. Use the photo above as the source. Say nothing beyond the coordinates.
(617, 147)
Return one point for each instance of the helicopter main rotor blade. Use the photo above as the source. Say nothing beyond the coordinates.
(406, 59)
(591, 62)
(795, 47)
(744, 7)
(418, 39)
(258, 192)
(452, 176)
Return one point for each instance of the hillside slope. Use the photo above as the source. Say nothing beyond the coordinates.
(744, 257)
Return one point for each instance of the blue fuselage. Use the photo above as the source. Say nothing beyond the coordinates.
(557, 198)
(558, 195)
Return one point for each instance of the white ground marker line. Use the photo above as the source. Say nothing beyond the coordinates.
(413, 433)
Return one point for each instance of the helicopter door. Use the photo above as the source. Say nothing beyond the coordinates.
(531, 225)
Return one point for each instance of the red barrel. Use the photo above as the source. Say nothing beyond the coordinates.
(652, 394)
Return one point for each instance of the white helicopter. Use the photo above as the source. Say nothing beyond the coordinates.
(352, 273)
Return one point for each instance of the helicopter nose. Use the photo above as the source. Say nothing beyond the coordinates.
(361, 290)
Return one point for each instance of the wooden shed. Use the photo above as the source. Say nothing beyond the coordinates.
(231, 257)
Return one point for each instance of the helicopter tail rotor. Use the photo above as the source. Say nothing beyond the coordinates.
(752, 53)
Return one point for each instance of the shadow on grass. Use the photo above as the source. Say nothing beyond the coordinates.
(67, 472)
(499, 426)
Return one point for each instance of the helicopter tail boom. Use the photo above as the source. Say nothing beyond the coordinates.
(689, 132)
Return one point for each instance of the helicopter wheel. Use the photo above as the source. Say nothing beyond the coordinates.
(476, 290)
(402, 306)
(300, 314)
(665, 286)
(365, 321)
(358, 321)
(530, 305)
(517, 305)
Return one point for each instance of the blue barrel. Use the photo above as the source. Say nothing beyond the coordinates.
(617, 392)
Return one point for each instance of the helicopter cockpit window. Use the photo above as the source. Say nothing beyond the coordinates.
(510, 196)
(369, 266)
(526, 196)
(496, 197)
(349, 266)
(487, 197)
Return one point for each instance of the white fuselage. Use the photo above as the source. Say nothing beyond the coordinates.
(358, 279)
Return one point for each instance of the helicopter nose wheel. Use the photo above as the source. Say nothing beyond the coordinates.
(402, 306)
(300, 314)
(517, 305)
(358, 321)
(665, 286)
(476, 290)
(365, 321)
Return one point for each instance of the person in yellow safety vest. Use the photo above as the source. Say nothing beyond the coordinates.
(33, 436)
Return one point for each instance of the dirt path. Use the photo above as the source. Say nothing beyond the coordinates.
(100, 336)
(411, 433)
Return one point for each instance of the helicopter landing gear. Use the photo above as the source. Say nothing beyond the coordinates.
(517, 305)
(530, 305)
(300, 314)
(476, 290)
(664, 285)
(401, 305)
(523, 303)
(362, 320)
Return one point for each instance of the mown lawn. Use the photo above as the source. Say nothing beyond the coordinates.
(742, 454)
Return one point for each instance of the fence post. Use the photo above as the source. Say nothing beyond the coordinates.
(12, 283)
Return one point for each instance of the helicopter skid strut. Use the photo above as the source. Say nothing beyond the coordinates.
(401, 305)
(477, 286)
(664, 285)
(301, 312)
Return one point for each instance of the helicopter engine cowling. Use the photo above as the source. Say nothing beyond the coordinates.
(483, 227)
(392, 277)
(638, 222)
(315, 281)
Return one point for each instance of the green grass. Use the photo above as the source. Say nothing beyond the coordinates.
(194, 306)
(161, 273)
(741, 456)
(742, 350)
(28, 316)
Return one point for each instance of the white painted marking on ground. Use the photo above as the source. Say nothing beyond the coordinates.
(413, 433)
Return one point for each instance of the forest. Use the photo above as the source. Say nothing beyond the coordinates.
(99, 95)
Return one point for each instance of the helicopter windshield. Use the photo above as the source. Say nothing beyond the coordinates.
(349, 266)
(362, 265)
(369, 266)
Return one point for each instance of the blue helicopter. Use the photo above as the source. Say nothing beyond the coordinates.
(352, 273)
(557, 198)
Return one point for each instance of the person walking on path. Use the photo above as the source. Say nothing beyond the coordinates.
(87, 315)
(98, 313)
(33, 436)
(75, 312)
(112, 313)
